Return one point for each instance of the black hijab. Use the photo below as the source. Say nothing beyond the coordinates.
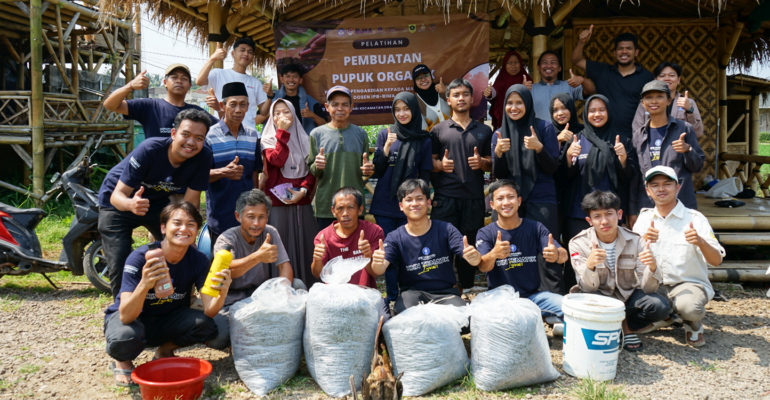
(574, 123)
(410, 135)
(429, 95)
(522, 162)
(601, 157)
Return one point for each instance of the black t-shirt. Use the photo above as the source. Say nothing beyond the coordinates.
(157, 115)
(294, 100)
(623, 92)
(463, 182)
(520, 269)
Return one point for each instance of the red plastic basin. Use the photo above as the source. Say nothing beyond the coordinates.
(172, 378)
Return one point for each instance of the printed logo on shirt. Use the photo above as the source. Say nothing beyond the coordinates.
(427, 262)
(425, 251)
(583, 156)
(515, 259)
(134, 163)
(344, 249)
(130, 269)
(168, 178)
(513, 248)
(658, 142)
(162, 187)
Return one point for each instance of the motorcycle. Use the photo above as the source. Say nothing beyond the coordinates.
(20, 251)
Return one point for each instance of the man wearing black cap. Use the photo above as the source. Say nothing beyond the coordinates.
(338, 155)
(667, 141)
(155, 115)
(433, 105)
(237, 160)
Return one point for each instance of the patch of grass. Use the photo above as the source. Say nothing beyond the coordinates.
(705, 366)
(296, 382)
(764, 150)
(25, 348)
(10, 303)
(47, 359)
(86, 306)
(29, 369)
(216, 390)
(7, 383)
(589, 389)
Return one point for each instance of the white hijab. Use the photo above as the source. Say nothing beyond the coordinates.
(299, 143)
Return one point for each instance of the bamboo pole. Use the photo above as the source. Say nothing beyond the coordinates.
(36, 103)
(74, 75)
(539, 42)
(636, 21)
(735, 125)
(722, 96)
(563, 11)
(10, 49)
(138, 36)
(727, 51)
(10, 34)
(89, 13)
(66, 80)
(60, 32)
(186, 9)
(215, 18)
(129, 77)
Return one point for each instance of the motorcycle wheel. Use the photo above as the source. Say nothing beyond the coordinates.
(95, 267)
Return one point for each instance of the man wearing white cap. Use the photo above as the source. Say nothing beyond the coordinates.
(155, 115)
(684, 246)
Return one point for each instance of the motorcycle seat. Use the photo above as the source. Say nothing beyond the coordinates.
(20, 211)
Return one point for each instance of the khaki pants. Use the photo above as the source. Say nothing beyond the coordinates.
(686, 299)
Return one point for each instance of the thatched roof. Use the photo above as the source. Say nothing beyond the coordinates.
(189, 18)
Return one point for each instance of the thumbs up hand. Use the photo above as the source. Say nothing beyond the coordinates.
(320, 160)
(574, 80)
(367, 168)
(212, 102)
(138, 205)
(475, 160)
(440, 86)
(502, 248)
(447, 164)
(692, 237)
(684, 101)
(390, 140)
(378, 258)
(363, 246)
(646, 258)
(586, 35)
(597, 257)
(679, 145)
(233, 171)
(550, 252)
(267, 87)
(306, 112)
(527, 83)
(319, 249)
(565, 135)
(470, 253)
(532, 142)
(488, 91)
(141, 81)
(219, 54)
(502, 145)
(652, 233)
(267, 253)
(620, 150)
(574, 151)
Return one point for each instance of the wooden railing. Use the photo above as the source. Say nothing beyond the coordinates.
(747, 162)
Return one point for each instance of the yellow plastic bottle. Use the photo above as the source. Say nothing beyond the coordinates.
(221, 262)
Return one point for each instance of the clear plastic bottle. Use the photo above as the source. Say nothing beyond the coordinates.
(163, 287)
(221, 262)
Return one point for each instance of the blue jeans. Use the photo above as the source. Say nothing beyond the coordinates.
(549, 303)
(391, 274)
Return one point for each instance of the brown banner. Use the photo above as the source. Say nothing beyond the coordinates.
(374, 57)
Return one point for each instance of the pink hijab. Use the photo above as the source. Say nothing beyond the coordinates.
(299, 143)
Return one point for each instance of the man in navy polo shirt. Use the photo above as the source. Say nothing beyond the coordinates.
(511, 246)
(237, 160)
(135, 191)
(423, 250)
(620, 82)
(155, 115)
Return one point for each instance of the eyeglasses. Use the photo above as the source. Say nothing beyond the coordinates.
(424, 77)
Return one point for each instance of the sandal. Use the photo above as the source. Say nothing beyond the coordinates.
(124, 372)
(629, 339)
(694, 338)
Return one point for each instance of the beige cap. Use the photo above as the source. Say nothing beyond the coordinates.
(172, 67)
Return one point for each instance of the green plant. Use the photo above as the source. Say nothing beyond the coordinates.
(589, 389)
(764, 137)
(10, 303)
(7, 383)
(705, 366)
(29, 369)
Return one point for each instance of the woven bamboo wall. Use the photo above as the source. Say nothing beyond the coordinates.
(693, 46)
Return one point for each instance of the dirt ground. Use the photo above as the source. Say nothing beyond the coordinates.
(53, 348)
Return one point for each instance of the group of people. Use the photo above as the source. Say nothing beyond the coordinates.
(605, 206)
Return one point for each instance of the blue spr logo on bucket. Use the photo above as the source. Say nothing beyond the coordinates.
(605, 341)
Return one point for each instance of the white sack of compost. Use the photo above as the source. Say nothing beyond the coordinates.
(508, 345)
(266, 335)
(424, 342)
(340, 327)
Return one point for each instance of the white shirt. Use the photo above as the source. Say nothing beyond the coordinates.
(678, 260)
(218, 78)
(609, 248)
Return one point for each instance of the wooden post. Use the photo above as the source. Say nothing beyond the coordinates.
(74, 76)
(722, 96)
(215, 23)
(753, 138)
(129, 77)
(36, 106)
(566, 52)
(138, 36)
(539, 42)
(60, 32)
(20, 78)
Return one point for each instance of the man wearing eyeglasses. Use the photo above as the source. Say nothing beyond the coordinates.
(155, 115)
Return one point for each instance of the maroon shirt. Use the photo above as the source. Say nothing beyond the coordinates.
(348, 248)
(274, 160)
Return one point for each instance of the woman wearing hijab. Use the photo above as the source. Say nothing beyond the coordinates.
(403, 152)
(564, 117)
(285, 146)
(596, 159)
(526, 151)
(512, 73)
(433, 106)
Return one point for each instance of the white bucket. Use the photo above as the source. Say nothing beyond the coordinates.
(592, 327)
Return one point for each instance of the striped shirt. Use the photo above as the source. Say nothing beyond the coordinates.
(610, 249)
(222, 194)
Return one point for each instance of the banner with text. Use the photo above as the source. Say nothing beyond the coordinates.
(374, 57)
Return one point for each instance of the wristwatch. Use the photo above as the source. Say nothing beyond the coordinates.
(691, 110)
(271, 97)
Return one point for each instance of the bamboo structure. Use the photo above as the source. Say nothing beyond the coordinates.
(38, 35)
